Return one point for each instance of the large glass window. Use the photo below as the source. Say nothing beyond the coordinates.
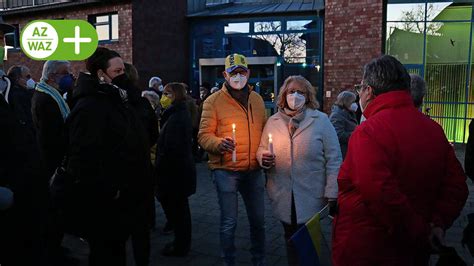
(269, 26)
(233, 28)
(291, 47)
(433, 39)
(405, 42)
(405, 12)
(298, 24)
(294, 41)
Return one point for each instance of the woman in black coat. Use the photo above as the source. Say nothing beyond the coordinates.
(141, 231)
(108, 159)
(175, 168)
(21, 173)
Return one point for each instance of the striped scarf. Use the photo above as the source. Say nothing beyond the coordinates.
(45, 88)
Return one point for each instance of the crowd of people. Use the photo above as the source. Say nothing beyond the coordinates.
(88, 154)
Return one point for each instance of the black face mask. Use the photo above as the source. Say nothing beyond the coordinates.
(122, 81)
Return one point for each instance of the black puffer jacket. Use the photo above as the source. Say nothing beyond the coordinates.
(176, 171)
(49, 128)
(21, 172)
(141, 105)
(109, 158)
(20, 169)
(20, 100)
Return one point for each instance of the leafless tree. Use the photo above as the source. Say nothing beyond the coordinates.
(289, 45)
(413, 19)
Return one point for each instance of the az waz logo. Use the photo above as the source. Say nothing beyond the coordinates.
(59, 40)
(40, 44)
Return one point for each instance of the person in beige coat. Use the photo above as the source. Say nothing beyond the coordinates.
(302, 171)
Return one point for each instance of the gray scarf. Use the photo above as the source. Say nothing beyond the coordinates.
(293, 118)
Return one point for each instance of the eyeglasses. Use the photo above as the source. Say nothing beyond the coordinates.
(299, 91)
(359, 88)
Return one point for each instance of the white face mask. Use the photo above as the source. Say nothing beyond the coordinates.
(295, 101)
(238, 81)
(354, 107)
(30, 84)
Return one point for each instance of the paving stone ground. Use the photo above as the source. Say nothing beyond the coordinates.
(205, 239)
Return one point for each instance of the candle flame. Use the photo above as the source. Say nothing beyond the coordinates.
(233, 126)
(270, 137)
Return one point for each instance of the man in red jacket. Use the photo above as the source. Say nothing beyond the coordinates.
(401, 185)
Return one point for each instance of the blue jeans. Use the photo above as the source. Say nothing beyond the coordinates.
(251, 187)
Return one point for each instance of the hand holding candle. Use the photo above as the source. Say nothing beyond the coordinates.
(270, 143)
(227, 145)
(234, 152)
(268, 157)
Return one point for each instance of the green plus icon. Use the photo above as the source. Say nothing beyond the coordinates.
(59, 40)
(77, 40)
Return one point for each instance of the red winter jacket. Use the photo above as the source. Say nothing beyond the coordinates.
(399, 175)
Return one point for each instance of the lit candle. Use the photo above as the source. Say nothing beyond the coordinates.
(270, 143)
(234, 152)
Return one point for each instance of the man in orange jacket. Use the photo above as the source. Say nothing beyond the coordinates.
(236, 104)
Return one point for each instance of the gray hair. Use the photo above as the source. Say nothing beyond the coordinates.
(385, 74)
(51, 66)
(418, 89)
(16, 72)
(345, 99)
(152, 97)
(153, 81)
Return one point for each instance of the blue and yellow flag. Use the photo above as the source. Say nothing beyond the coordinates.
(307, 241)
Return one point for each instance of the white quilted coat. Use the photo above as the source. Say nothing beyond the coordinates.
(306, 164)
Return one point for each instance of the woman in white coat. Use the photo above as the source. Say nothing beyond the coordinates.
(302, 171)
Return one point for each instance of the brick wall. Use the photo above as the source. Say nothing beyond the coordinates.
(160, 31)
(352, 36)
(123, 45)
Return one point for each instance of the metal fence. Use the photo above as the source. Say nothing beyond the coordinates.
(449, 98)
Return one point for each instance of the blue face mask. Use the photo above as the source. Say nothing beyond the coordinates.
(65, 83)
